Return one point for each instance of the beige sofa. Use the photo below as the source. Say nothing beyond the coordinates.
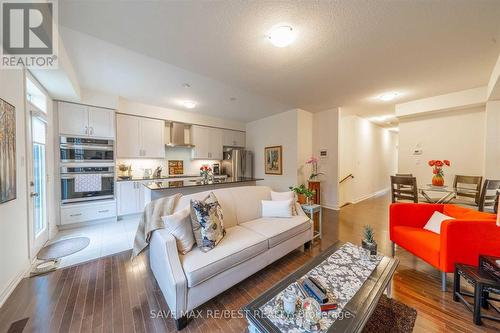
(250, 244)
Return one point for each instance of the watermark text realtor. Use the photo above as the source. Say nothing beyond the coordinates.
(29, 34)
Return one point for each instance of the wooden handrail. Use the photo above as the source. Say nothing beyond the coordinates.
(346, 177)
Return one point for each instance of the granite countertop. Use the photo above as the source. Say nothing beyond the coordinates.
(170, 184)
(159, 178)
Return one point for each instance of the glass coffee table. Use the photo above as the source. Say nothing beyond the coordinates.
(356, 279)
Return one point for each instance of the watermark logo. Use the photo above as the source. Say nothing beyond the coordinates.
(29, 34)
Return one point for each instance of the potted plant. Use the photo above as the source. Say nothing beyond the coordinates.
(304, 194)
(437, 170)
(368, 242)
(314, 167)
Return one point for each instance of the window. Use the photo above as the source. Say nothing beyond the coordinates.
(35, 95)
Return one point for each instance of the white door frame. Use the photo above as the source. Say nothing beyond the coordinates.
(36, 242)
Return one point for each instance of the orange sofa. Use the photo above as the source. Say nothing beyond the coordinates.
(461, 239)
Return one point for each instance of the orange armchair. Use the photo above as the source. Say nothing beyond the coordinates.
(461, 239)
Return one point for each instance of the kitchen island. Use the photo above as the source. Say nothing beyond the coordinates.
(160, 189)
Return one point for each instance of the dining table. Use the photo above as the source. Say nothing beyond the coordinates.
(445, 193)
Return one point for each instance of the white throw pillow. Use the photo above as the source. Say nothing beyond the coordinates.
(179, 226)
(281, 208)
(280, 196)
(434, 223)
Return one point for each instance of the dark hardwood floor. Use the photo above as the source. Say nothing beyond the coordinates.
(114, 294)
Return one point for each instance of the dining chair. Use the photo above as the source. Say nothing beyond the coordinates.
(404, 188)
(468, 187)
(489, 195)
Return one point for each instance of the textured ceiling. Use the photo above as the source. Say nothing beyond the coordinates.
(346, 52)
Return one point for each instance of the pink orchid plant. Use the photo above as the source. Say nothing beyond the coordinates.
(313, 160)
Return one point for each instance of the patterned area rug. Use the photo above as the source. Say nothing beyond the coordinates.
(63, 248)
(391, 316)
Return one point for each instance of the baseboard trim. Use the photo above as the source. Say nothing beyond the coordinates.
(371, 195)
(334, 207)
(4, 295)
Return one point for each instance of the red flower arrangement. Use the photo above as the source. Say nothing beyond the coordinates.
(205, 171)
(437, 170)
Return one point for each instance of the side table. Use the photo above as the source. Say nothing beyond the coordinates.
(483, 287)
(310, 210)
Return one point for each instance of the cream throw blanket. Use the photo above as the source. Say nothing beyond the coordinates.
(151, 221)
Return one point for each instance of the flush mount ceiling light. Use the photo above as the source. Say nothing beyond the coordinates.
(188, 104)
(282, 36)
(186, 85)
(389, 96)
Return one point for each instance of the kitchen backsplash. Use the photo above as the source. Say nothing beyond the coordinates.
(191, 167)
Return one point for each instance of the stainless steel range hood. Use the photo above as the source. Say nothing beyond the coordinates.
(177, 137)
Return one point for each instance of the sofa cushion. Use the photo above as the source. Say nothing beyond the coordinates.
(278, 230)
(238, 245)
(290, 195)
(225, 198)
(179, 225)
(281, 208)
(422, 243)
(466, 213)
(248, 201)
(434, 223)
(207, 221)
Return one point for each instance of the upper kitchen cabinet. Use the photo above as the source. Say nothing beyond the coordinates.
(86, 121)
(138, 137)
(233, 138)
(101, 122)
(207, 143)
(152, 138)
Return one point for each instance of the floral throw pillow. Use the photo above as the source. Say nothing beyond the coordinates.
(207, 222)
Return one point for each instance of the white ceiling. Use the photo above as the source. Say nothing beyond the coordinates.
(345, 55)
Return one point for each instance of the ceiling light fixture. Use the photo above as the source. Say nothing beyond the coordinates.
(188, 104)
(282, 36)
(389, 96)
(186, 85)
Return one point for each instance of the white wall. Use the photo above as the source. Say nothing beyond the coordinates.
(14, 255)
(369, 152)
(492, 140)
(284, 130)
(458, 136)
(326, 136)
(304, 144)
(139, 109)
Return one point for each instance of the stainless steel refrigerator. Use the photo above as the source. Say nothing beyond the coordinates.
(237, 163)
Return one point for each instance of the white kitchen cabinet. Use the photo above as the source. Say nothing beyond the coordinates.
(132, 197)
(215, 144)
(128, 136)
(207, 143)
(101, 122)
(152, 138)
(199, 138)
(86, 121)
(138, 137)
(233, 138)
(73, 119)
(84, 212)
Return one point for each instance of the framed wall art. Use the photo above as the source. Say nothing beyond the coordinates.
(7, 152)
(273, 160)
